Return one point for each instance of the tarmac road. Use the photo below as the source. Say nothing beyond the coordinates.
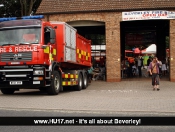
(51, 113)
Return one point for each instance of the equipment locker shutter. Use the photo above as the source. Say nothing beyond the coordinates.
(70, 54)
(70, 36)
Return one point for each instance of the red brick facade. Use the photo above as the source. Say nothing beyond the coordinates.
(172, 50)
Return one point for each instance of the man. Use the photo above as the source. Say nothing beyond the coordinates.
(140, 64)
(154, 71)
(93, 72)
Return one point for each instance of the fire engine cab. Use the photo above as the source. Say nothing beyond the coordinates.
(36, 54)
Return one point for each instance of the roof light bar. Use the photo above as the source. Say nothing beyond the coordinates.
(8, 19)
(33, 17)
(24, 17)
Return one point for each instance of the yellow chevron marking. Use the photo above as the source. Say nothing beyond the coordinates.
(46, 50)
(63, 83)
(71, 76)
(50, 56)
(77, 50)
(54, 52)
(66, 75)
(79, 56)
(69, 83)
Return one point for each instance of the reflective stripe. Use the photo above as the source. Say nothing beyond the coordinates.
(69, 75)
(50, 56)
(66, 75)
(69, 83)
(63, 83)
(79, 56)
(54, 52)
(78, 51)
(82, 53)
(46, 50)
(51, 53)
(76, 76)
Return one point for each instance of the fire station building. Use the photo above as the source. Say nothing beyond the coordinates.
(108, 23)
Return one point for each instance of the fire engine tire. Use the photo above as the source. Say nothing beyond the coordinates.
(7, 91)
(85, 81)
(55, 86)
(80, 83)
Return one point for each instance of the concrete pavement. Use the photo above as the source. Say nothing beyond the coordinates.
(100, 96)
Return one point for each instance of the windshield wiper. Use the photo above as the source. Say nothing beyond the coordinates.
(6, 44)
(19, 44)
(26, 43)
(23, 44)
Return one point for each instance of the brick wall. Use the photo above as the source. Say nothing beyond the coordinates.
(172, 49)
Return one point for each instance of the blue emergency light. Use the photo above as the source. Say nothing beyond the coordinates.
(8, 19)
(24, 17)
(33, 17)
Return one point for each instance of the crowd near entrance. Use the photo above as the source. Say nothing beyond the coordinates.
(140, 41)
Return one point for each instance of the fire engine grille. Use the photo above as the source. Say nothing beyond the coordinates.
(21, 56)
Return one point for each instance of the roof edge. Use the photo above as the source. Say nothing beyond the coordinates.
(114, 10)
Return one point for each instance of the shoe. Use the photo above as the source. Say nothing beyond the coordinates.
(154, 89)
(93, 79)
(158, 89)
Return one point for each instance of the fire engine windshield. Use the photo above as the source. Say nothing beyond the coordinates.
(20, 36)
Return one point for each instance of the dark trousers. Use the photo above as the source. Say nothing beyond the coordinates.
(155, 79)
(140, 71)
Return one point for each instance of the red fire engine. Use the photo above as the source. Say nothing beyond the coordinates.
(35, 54)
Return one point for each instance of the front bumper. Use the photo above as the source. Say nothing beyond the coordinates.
(20, 78)
(25, 84)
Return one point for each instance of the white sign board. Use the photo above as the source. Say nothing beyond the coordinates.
(147, 15)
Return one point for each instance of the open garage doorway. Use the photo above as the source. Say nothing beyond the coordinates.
(94, 31)
(143, 39)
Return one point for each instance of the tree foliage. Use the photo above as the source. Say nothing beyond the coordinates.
(18, 8)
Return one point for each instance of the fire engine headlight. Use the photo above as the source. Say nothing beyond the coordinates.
(38, 72)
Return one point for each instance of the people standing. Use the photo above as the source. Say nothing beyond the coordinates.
(160, 68)
(134, 69)
(154, 71)
(145, 58)
(127, 67)
(140, 64)
(164, 67)
(148, 62)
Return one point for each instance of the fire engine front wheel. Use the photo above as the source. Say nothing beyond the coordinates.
(55, 84)
(7, 90)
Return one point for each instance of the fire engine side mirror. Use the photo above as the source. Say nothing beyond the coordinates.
(52, 36)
